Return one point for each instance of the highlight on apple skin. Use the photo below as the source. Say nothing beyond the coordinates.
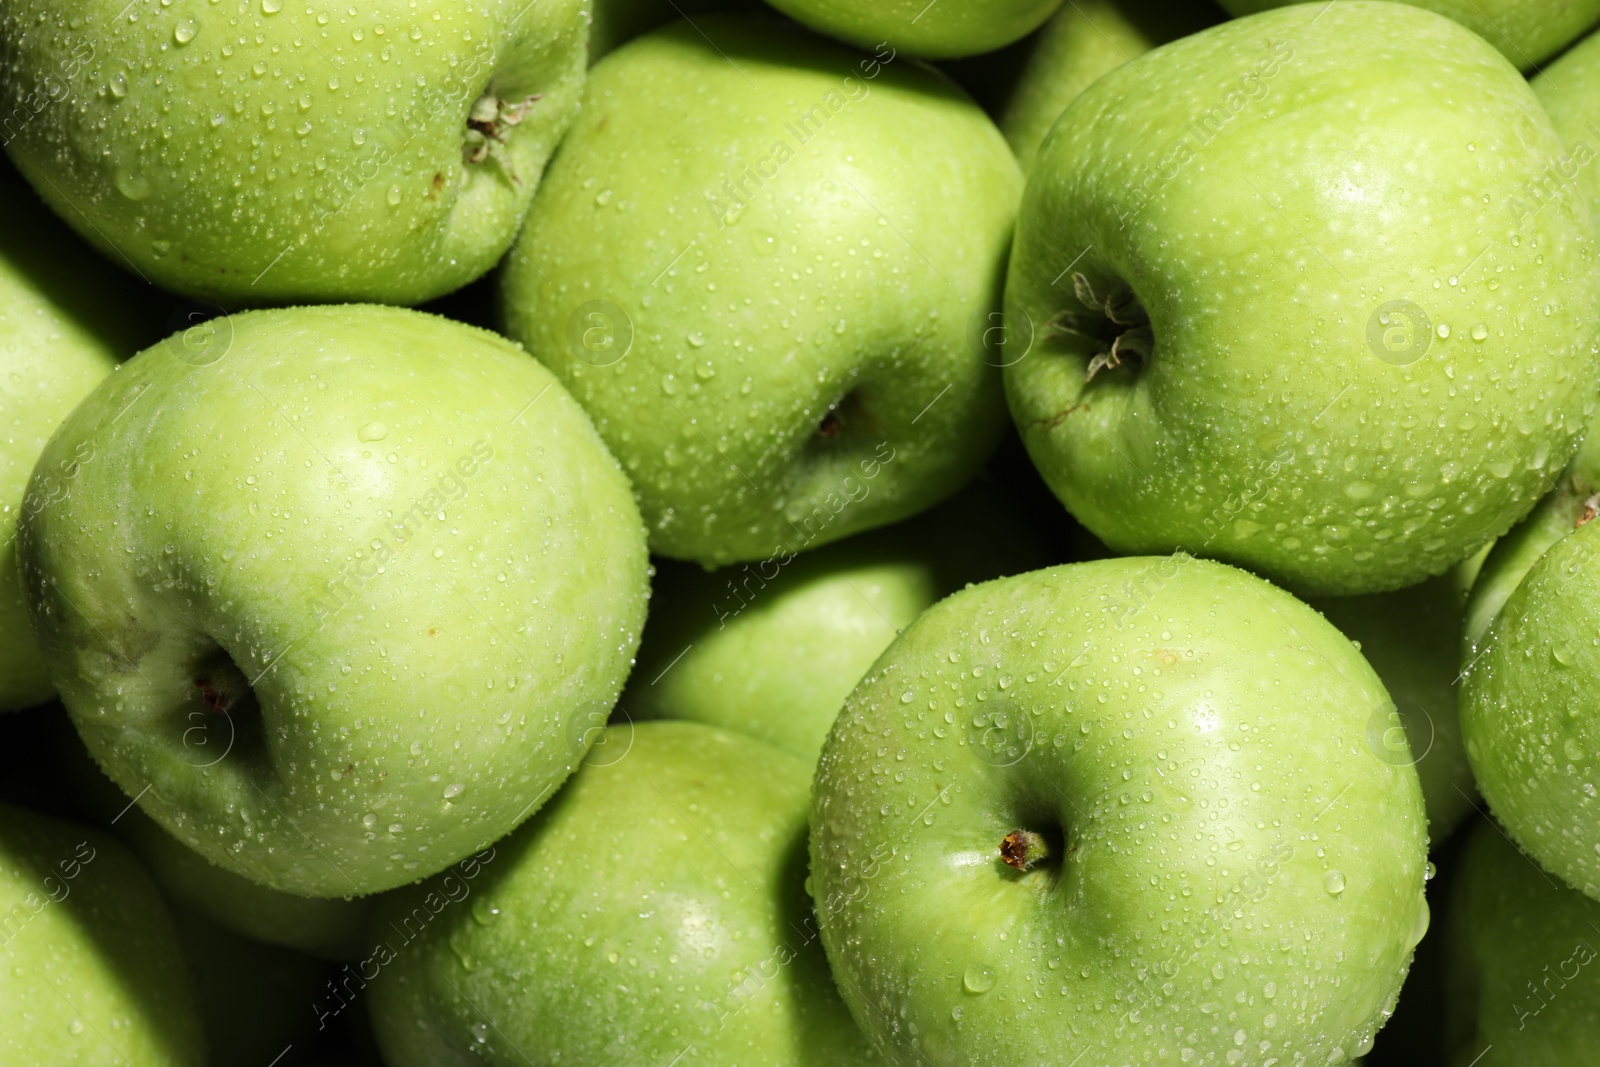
(345, 595)
(1054, 817)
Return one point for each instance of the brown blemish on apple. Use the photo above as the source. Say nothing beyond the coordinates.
(828, 428)
(1591, 508)
(438, 184)
(213, 699)
(1059, 417)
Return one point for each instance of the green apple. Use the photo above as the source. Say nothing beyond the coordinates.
(933, 29)
(1573, 501)
(1081, 42)
(1412, 639)
(1527, 32)
(343, 594)
(1569, 89)
(252, 997)
(654, 913)
(1286, 310)
(330, 928)
(616, 22)
(1524, 962)
(1528, 710)
(65, 321)
(773, 650)
(749, 267)
(1123, 810)
(91, 974)
(258, 152)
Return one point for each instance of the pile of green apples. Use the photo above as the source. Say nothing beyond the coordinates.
(932, 533)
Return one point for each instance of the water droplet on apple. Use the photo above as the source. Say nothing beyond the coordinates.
(1333, 882)
(184, 32)
(696, 339)
(453, 790)
(1480, 332)
(131, 184)
(118, 85)
(977, 979)
(372, 431)
(271, 7)
(394, 196)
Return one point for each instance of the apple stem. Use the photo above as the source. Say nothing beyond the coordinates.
(1024, 849)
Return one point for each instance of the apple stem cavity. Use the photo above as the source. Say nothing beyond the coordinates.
(1591, 508)
(487, 124)
(1116, 323)
(1024, 849)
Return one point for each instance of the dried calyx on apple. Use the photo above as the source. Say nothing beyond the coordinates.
(1026, 849)
(1112, 322)
(489, 123)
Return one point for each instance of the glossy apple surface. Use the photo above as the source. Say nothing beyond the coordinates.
(1526, 33)
(1223, 867)
(1524, 962)
(1277, 323)
(342, 594)
(655, 912)
(772, 651)
(750, 268)
(91, 974)
(263, 152)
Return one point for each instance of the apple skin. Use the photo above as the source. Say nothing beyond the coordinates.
(1267, 418)
(945, 30)
(1525, 962)
(65, 322)
(91, 974)
(780, 375)
(344, 595)
(329, 928)
(773, 652)
(1412, 639)
(1569, 89)
(616, 22)
(1238, 862)
(654, 912)
(1526, 32)
(1082, 41)
(1528, 712)
(1561, 511)
(339, 144)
